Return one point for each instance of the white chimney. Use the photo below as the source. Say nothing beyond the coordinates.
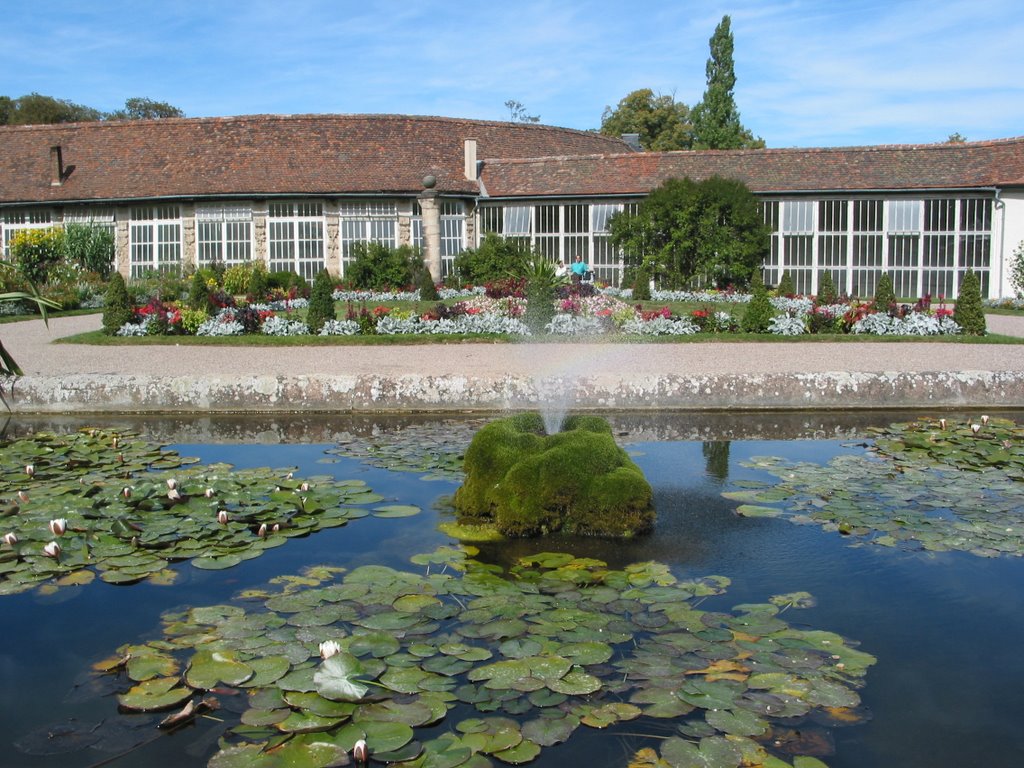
(470, 165)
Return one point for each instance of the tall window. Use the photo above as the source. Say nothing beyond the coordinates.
(370, 222)
(772, 265)
(102, 218)
(903, 230)
(223, 234)
(867, 247)
(798, 243)
(20, 219)
(833, 242)
(296, 238)
(154, 239)
(938, 247)
(975, 240)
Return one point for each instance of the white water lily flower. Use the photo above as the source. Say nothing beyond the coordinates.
(173, 495)
(22, 497)
(58, 526)
(276, 528)
(262, 532)
(52, 549)
(975, 428)
(328, 648)
(360, 752)
(172, 483)
(304, 487)
(126, 492)
(222, 517)
(209, 493)
(984, 419)
(30, 469)
(10, 538)
(942, 423)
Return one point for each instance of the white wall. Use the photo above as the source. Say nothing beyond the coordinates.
(1007, 235)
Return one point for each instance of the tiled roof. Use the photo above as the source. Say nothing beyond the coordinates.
(266, 155)
(912, 167)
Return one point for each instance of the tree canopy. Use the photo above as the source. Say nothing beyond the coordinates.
(37, 109)
(662, 122)
(687, 233)
(716, 119)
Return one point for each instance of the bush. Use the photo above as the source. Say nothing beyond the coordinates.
(642, 284)
(376, 267)
(969, 313)
(321, 302)
(257, 288)
(428, 290)
(495, 259)
(827, 288)
(760, 311)
(885, 297)
(90, 247)
(786, 287)
(1017, 270)
(35, 252)
(199, 293)
(117, 306)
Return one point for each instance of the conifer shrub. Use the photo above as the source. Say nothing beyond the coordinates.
(760, 311)
(258, 285)
(969, 313)
(198, 292)
(786, 287)
(885, 297)
(428, 291)
(827, 289)
(117, 306)
(642, 284)
(321, 302)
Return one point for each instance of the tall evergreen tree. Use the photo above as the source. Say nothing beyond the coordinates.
(716, 120)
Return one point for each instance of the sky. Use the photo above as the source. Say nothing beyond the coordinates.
(810, 73)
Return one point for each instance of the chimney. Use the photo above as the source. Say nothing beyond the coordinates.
(633, 139)
(56, 166)
(470, 159)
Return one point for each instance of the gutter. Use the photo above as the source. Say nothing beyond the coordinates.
(1000, 205)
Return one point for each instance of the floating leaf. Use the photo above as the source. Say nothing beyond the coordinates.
(336, 679)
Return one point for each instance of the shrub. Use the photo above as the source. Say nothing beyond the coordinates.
(642, 284)
(117, 306)
(496, 258)
(90, 247)
(827, 288)
(257, 289)
(1017, 270)
(786, 287)
(885, 297)
(376, 267)
(321, 302)
(191, 319)
(760, 311)
(199, 293)
(969, 313)
(35, 252)
(237, 278)
(428, 290)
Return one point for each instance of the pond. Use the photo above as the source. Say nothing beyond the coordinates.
(944, 688)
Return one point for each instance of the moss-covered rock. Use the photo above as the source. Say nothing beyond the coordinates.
(528, 483)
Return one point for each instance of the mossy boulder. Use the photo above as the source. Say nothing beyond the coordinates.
(528, 483)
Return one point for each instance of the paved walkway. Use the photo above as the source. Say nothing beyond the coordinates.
(480, 376)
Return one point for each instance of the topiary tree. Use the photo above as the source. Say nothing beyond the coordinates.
(428, 291)
(827, 289)
(321, 302)
(117, 306)
(198, 293)
(642, 284)
(785, 286)
(760, 311)
(969, 313)
(885, 297)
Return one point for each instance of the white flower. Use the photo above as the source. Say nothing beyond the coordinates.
(984, 419)
(222, 517)
(52, 549)
(328, 648)
(942, 423)
(172, 483)
(262, 532)
(173, 495)
(304, 487)
(276, 528)
(975, 428)
(209, 493)
(30, 469)
(360, 752)
(22, 496)
(10, 538)
(126, 492)
(58, 526)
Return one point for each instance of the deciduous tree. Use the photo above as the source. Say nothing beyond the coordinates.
(662, 122)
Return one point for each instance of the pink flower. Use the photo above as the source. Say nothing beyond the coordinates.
(222, 517)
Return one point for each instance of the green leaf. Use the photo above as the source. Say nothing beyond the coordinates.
(336, 679)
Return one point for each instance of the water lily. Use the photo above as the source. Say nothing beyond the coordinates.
(172, 483)
(209, 493)
(52, 550)
(113, 443)
(328, 648)
(360, 752)
(304, 487)
(126, 492)
(58, 526)
(173, 495)
(22, 496)
(222, 517)
(262, 532)
(984, 419)
(942, 423)
(975, 428)
(276, 528)
(10, 538)
(30, 469)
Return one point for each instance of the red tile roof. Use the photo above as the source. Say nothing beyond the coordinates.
(850, 169)
(266, 155)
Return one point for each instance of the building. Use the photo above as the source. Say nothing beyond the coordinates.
(298, 191)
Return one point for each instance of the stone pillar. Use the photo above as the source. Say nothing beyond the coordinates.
(122, 247)
(260, 246)
(189, 250)
(332, 254)
(430, 205)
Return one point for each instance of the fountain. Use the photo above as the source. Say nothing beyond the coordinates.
(528, 482)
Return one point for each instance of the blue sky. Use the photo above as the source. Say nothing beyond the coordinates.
(809, 73)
